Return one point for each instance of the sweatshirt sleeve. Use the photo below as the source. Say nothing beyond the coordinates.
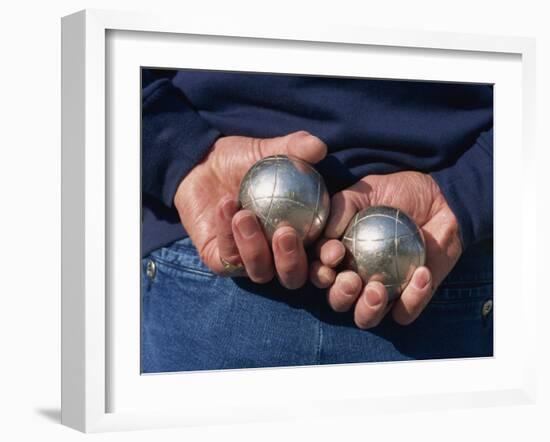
(174, 136)
(468, 187)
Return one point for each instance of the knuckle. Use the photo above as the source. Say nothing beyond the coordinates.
(416, 298)
(338, 198)
(294, 285)
(376, 284)
(404, 318)
(320, 276)
(226, 239)
(332, 252)
(338, 304)
(316, 282)
(291, 263)
(257, 148)
(280, 231)
(312, 141)
(339, 301)
(300, 134)
(291, 278)
(316, 278)
(255, 255)
(236, 218)
(361, 323)
(289, 271)
(365, 322)
(351, 281)
(378, 287)
(263, 278)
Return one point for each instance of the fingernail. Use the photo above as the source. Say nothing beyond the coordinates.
(227, 209)
(421, 280)
(347, 287)
(335, 255)
(247, 226)
(373, 298)
(288, 242)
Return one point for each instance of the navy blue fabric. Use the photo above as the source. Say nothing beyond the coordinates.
(370, 127)
(195, 320)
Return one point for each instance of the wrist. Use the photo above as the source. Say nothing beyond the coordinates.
(191, 180)
(451, 239)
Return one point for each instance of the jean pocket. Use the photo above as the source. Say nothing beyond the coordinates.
(469, 299)
(456, 323)
(456, 293)
(181, 256)
(471, 279)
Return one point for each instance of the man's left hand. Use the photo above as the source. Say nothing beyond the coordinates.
(419, 196)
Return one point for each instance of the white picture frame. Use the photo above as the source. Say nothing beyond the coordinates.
(97, 366)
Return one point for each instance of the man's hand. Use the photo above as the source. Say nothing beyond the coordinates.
(418, 195)
(206, 201)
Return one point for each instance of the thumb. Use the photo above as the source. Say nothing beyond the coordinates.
(344, 205)
(343, 208)
(299, 144)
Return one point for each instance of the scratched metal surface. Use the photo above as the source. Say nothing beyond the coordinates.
(384, 245)
(286, 191)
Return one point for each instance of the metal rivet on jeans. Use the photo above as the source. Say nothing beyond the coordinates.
(151, 270)
(487, 307)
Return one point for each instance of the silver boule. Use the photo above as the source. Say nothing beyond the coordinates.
(286, 191)
(384, 245)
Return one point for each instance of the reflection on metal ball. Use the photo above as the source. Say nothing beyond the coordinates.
(286, 191)
(384, 245)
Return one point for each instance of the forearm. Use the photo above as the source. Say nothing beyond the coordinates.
(174, 138)
(467, 184)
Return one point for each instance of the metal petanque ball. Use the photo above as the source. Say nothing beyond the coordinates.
(286, 191)
(384, 245)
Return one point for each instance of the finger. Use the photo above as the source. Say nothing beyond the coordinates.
(371, 305)
(332, 252)
(290, 258)
(320, 275)
(253, 247)
(345, 290)
(414, 298)
(227, 247)
(318, 246)
(299, 144)
(343, 207)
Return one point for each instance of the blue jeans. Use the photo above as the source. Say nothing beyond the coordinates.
(195, 320)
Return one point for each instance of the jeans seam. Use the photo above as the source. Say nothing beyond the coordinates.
(319, 342)
(466, 282)
(460, 300)
(185, 268)
(183, 248)
(319, 333)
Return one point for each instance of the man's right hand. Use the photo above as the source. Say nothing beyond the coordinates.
(206, 200)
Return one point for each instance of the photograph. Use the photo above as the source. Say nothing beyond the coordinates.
(297, 221)
(303, 220)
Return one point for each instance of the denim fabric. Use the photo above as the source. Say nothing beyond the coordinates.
(195, 320)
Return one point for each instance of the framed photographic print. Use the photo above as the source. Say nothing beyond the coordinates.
(203, 161)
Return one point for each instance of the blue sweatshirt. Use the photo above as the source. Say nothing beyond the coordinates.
(369, 126)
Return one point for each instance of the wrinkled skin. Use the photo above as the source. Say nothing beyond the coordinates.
(416, 194)
(206, 201)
